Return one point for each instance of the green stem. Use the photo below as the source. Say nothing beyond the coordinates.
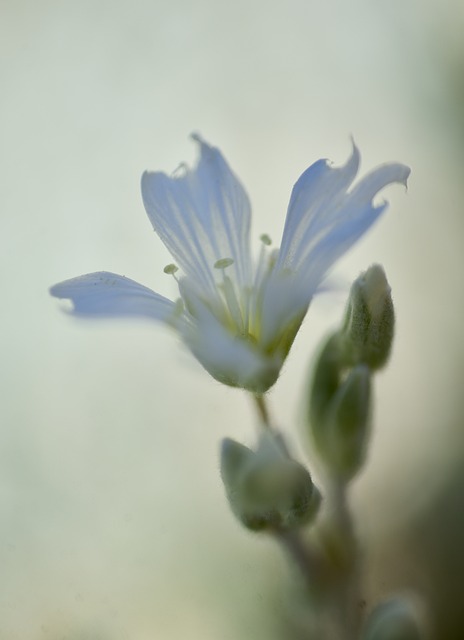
(337, 496)
(263, 412)
(303, 557)
(348, 589)
(293, 542)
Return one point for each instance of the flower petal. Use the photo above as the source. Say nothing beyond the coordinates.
(377, 179)
(285, 301)
(323, 238)
(355, 214)
(314, 200)
(105, 294)
(202, 216)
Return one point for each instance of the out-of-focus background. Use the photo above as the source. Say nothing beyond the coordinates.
(113, 523)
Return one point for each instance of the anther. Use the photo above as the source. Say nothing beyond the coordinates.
(170, 269)
(223, 263)
(265, 239)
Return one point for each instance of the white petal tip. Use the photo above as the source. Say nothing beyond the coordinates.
(354, 159)
(197, 137)
(59, 290)
(400, 174)
(354, 146)
(406, 172)
(144, 178)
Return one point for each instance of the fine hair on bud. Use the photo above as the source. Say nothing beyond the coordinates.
(369, 324)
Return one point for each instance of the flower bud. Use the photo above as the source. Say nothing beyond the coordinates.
(369, 319)
(396, 619)
(341, 437)
(266, 489)
(326, 380)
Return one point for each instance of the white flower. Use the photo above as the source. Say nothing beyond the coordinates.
(238, 318)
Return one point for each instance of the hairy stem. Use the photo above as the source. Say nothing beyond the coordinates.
(304, 558)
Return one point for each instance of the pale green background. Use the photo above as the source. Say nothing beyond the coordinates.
(113, 522)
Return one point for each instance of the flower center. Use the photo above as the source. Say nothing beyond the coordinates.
(266, 261)
(234, 310)
(242, 306)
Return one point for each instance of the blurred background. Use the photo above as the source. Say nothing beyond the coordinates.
(113, 523)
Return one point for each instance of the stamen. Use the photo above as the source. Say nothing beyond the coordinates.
(230, 294)
(273, 258)
(171, 270)
(263, 260)
(178, 307)
(177, 312)
(223, 263)
(263, 269)
(232, 304)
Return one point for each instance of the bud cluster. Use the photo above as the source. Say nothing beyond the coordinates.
(339, 406)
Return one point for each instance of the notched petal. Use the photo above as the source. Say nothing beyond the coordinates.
(378, 179)
(202, 216)
(314, 204)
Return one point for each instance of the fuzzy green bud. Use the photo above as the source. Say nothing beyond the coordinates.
(369, 319)
(266, 489)
(340, 429)
(327, 377)
(396, 619)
